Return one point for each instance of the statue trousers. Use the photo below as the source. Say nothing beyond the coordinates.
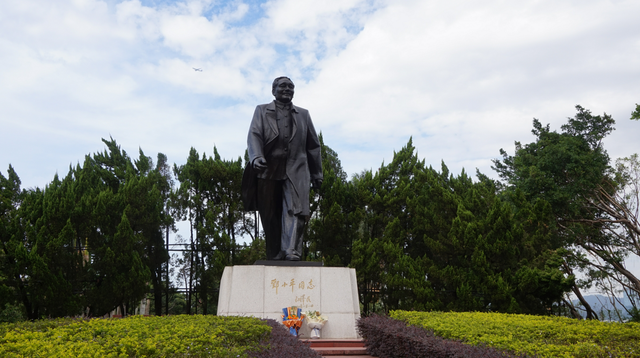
(282, 227)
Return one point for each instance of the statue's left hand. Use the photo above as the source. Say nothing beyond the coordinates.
(316, 184)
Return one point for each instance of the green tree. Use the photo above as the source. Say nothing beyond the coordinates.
(41, 259)
(166, 187)
(335, 214)
(570, 171)
(91, 240)
(209, 195)
(124, 240)
(10, 199)
(433, 241)
(187, 200)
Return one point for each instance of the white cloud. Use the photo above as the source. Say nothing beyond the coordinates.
(300, 15)
(141, 22)
(195, 36)
(464, 78)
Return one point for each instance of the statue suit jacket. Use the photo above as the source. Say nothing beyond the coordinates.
(304, 162)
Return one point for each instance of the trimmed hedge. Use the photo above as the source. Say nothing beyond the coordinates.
(387, 337)
(137, 336)
(543, 336)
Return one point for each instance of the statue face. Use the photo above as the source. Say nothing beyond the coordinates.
(284, 90)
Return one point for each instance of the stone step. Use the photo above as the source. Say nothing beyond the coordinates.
(340, 351)
(334, 342)
(352, 348)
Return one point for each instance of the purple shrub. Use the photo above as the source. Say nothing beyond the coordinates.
(281, 344)
(387, 337)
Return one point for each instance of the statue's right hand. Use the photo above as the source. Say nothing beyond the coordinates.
(260, 164)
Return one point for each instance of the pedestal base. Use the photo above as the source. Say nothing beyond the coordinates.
(262, 291)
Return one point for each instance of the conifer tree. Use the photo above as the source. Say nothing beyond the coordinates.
(433, 241)
(569, 171)
(334, 220)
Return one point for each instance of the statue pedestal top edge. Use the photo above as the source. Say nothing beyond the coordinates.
(288, 263)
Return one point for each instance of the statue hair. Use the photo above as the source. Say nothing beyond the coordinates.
(275, 82)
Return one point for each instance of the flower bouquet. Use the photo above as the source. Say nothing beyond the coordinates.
(292, 318)
(315, 322)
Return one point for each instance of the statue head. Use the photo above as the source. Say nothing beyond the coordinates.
(283, 89)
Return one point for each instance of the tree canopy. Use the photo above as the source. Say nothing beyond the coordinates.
(419, 238)
(592, 212)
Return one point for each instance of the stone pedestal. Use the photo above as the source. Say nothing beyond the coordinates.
(262, 291)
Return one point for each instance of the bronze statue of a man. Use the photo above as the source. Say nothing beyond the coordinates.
(284, 161)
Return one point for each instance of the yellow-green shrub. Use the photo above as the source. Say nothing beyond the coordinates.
(136, 336)
(545, 336)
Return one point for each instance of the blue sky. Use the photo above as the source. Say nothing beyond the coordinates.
(463, 78)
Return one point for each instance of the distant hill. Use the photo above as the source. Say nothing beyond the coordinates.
(603, 307)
